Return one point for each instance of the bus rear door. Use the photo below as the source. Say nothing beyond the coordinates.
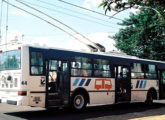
(162, 84)
(57, 83)
(123, 83)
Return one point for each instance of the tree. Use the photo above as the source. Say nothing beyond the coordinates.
(120, 5)
(143, 35)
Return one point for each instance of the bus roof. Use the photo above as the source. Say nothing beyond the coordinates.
(126, 57)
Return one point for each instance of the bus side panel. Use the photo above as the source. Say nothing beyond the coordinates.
(100, 90)
(35, 89)
(140, 89)
(37, 100)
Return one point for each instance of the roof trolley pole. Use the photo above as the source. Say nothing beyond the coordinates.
(101, 47)
(92, 49)
(97, 45)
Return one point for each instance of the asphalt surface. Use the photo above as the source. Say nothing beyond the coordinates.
(133, 111)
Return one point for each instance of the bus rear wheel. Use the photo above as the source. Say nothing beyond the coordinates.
(79, 101)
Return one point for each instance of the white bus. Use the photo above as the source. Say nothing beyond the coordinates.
(49, 77)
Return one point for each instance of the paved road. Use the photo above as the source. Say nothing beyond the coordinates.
(133, 111)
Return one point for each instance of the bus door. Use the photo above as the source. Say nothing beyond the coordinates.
(123, 83)
(57, 77)
(162, 84)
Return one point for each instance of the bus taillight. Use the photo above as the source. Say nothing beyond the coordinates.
(0, 51)
(19, 48)
(22, 93)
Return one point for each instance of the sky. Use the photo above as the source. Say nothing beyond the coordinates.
(29, 29)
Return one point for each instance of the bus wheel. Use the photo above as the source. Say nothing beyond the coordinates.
(149, 100)
(79, 101)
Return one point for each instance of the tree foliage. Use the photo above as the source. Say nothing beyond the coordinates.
(120, 5)
(143, 35)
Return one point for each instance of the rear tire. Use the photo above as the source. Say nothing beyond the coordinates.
(79, 101)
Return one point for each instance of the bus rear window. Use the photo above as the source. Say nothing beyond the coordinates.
(10, 60)
(36, 62)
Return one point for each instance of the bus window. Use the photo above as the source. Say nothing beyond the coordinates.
(163, 77)
(10, 60)
(86, 67)
(36, 60)
(137, 70)
(81, 66)
(150, 71)
(54, 64)
(125, 72)
(101, 68)
(75, 65)
(122, 72)
(65, 67)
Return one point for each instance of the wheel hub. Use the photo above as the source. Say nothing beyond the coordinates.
(79, 102)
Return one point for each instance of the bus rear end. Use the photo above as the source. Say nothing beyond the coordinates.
(12, 89)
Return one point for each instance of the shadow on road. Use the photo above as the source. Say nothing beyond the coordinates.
(92, 112)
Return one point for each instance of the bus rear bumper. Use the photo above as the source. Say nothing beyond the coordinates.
(18, 100)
